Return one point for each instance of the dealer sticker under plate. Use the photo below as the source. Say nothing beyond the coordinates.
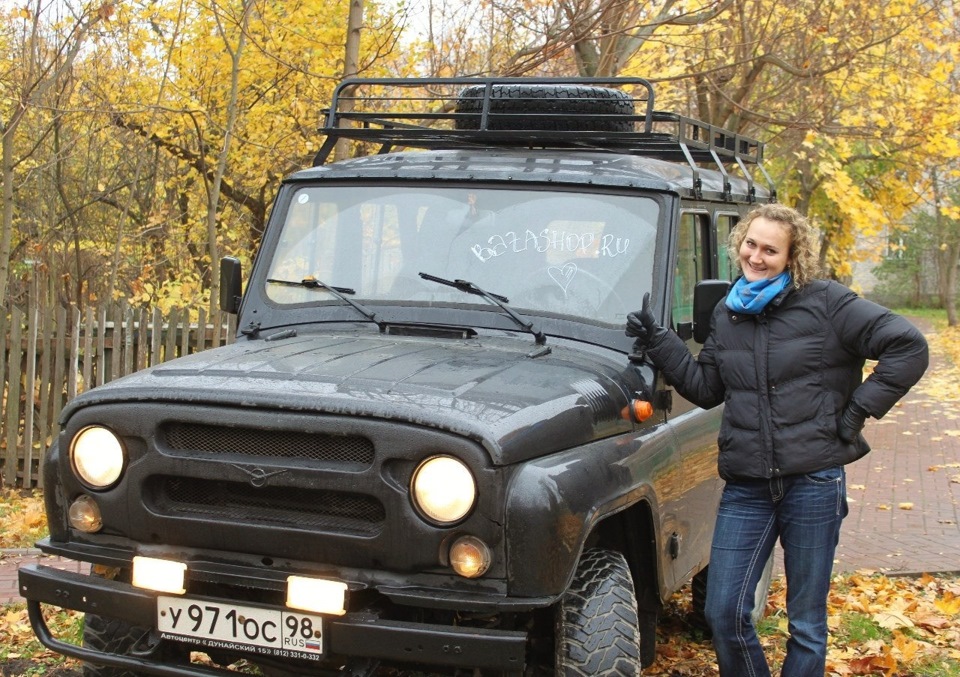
(273, 632)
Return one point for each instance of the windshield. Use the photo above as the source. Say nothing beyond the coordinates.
(583, 255)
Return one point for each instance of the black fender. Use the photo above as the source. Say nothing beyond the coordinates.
(553, 504)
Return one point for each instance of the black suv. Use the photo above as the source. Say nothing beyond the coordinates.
(431, 444)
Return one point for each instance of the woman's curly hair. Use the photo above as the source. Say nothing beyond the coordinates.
(804, 264)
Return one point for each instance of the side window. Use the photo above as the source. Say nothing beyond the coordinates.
(726, 269)
(690, 265)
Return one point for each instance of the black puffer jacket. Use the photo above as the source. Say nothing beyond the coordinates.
(786, 375)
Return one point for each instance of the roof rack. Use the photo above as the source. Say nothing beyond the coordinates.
(434, 113)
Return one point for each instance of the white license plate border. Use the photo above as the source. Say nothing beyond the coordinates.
(305, 649)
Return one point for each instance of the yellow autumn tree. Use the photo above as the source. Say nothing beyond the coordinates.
(41, 41)
(830, 86)
(217, 101)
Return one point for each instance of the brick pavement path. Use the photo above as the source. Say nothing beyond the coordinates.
(904, 496)
(915, 462)
(10, 561)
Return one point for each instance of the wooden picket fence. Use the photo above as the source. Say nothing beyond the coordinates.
(51, 354)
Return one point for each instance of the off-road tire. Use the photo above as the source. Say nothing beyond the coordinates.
(596, 628)
(115, 636)
(558, 108)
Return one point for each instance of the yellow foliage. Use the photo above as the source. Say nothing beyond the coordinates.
(948, 604)
(855, 99)
(166, 77)
(22, 519)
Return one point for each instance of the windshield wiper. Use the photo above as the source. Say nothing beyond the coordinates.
(496, 299)
(339, 292)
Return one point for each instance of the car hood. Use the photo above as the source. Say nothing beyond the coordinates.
(492, 389)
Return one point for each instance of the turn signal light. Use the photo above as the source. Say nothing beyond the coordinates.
(85, 514)
(470, 557)
(637, 411)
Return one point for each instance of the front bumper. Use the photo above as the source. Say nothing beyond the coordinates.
(360, 635)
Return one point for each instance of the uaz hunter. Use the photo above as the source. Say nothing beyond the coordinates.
(431, 446)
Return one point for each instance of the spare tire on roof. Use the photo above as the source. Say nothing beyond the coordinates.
(547, 107)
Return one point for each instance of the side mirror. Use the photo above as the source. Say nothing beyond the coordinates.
(231, 284)
(706, 295)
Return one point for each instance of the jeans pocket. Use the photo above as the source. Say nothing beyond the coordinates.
(826, 476)
(831, 480)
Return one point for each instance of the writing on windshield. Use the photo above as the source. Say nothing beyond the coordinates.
(602, 245)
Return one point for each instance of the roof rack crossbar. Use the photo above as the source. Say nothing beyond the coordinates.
(697, 182)
(727, 190)
(770, 184)
(751, 187)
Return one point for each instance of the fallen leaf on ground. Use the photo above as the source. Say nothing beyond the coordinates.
(892, 620)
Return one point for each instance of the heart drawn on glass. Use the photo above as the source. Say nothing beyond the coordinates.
(562, 276)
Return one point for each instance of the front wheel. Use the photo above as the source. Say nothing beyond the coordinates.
(115, 636)
(596, 619)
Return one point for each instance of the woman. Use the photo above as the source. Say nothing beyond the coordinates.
(785, 355)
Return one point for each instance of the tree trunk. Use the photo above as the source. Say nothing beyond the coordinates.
(351, 67)
(950, 298)
(7, 234)
(38, 78)
(213, 201)
(948, 255)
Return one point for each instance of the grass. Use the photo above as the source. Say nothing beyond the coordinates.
(933, 314)
(18, 644)
(938, 668)
(857, 628)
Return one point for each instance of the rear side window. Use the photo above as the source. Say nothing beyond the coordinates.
(690, 264)
(726, 269)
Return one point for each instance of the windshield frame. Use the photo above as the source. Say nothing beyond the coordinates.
(459, 309)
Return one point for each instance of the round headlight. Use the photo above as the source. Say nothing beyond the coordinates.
(443, 489)
(97, 457)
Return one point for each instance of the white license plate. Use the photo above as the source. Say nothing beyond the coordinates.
(215, 625)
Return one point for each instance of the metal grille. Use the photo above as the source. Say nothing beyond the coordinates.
(198, 437)
(233, 502)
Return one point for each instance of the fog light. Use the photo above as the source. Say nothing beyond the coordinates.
(161, 575)
(85, 514)
(316, 594)
(470, 557)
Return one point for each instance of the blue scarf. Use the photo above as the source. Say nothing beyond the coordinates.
(752, 297)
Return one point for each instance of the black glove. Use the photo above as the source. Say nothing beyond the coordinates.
(641, 324)
(851, 423)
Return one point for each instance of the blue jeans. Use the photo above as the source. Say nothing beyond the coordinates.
(805, 513)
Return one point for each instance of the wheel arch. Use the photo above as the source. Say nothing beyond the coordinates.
(633, 532)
